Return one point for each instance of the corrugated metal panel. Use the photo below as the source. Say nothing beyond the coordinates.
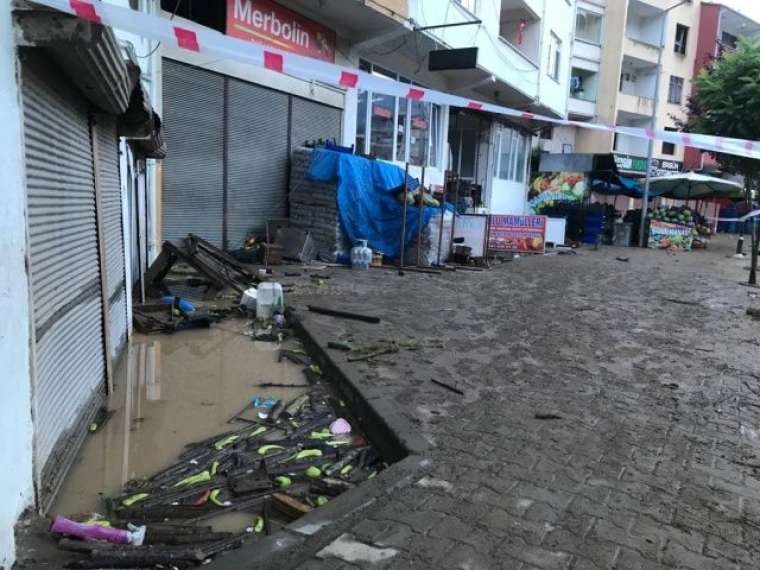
(113, 231)
(69, 364)
(192, 192)
(257, 161)
(313, 121)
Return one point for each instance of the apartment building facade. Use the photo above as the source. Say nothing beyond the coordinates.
(719, 31)
(615, 78)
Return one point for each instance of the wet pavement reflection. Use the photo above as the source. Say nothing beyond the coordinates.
(170, 391)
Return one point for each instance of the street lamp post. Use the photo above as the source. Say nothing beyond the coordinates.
(653, 122)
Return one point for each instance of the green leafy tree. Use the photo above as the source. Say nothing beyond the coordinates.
(726, 103)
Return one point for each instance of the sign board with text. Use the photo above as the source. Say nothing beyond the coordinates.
(517, 234)
(664, 235)
(629, 164)
(266, 22)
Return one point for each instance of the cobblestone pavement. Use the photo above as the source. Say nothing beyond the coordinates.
(650, 365)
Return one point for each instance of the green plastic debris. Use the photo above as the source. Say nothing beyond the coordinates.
(214, 468)
(214, 498)
(316, 369)
(93, 427)
(258, 431)
(306, 453)
(129, 501)
(201, 477)
(322, 500)
(313, 471)
(346, 470)
(324, 434)
(283, 481)
(258, 525)
(226, 442)
(264, 449)
(372, 475)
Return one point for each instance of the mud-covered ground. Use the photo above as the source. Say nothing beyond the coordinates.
(651, 369)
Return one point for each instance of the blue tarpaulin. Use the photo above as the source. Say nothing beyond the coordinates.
(367, 201)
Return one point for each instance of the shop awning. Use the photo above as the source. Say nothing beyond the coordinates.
(692, 186)
(86, 52)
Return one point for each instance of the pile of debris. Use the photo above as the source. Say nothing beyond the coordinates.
(287, 460)
(314, 207)
(189, 263)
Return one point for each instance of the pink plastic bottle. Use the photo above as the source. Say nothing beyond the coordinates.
(68, 527)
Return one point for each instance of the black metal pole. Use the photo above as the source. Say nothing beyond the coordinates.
(403, 223)
(421, 208)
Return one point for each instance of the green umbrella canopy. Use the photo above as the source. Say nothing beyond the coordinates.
(693, 186)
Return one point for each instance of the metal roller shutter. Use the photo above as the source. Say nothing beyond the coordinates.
(229, 144)
(113, 231)
(68, 320)
(192, 193)
(313, 121)
(257, 159)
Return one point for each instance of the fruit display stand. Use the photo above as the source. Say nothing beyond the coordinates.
(677, 229)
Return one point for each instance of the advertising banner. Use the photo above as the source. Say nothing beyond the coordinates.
(266, 22)
(664, 235)
(548, 189)
(517, 234)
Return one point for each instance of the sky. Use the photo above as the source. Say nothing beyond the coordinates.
(750, 8)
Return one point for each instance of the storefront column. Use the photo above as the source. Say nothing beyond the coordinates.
(348, 134)
(16, 433)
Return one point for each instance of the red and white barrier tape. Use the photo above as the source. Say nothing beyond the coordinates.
(205, 40)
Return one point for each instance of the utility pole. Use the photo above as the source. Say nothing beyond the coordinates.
(653, 122)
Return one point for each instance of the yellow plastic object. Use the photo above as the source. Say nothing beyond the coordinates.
(346, 470)
(316, 369)
(324, 434)
(264, 449)
(201, 477)
(322, 500)
(214, 498)
(129, 501)
(214, 468)
(306, 453)
(313, 471)
(226, 442)
(282, 481)
(258, 431)
(258, 525)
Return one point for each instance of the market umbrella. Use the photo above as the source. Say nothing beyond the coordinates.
(693, 186)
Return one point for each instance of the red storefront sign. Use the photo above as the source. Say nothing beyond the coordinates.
(520, 234)
(266, 22)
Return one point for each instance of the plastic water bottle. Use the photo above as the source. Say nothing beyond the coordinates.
(361, 255)
(269, 300)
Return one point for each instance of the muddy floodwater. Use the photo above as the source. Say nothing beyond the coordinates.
(171, 390)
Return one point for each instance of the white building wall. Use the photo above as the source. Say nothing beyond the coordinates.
(16, 479)
(558, 18)
(494, 54)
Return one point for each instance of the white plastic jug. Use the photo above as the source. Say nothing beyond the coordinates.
(248, 300)
(269, 300)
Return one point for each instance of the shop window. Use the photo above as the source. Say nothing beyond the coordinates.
(682, 38)
(675, 90)
(511, 155)
(396, 128)
(667, 147)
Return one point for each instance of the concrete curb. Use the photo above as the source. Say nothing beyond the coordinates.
(392, 434)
